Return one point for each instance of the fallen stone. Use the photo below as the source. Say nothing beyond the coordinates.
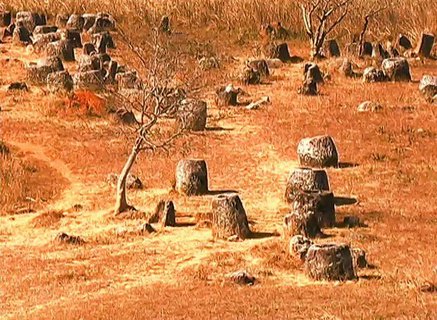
(5, 19)
(396, 69)
(242, 278)
(18, 86)
(208, 63)
(37, 72)
(76, 22)
(299, 246)
(44, 29)
(62, 49)
(428, 87)
(369, 106)
(372, 75)
(256, 104)
(64, 238)
(102, 41)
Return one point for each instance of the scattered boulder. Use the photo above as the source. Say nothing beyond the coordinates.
(192, 114)
(369, 106)
(299, 246)
(260, 66)
(332, 48)
(372, 74)
(91, 80)
(279, 51)
(330, 262)
(37, 72)
(242, 278)
(256, 104)
(404, 42)
(89, 63)
(62, 49)
(359, 258)
(312, 71)
(5, 19)
(229, 220)
(320, 202)
(425, 45)
(305, 179)
(60, 81)
(76, 22)
(41, 41)
(44, 29)
(308, 87)
(18, 86)
(428, 87)
(250, 76)
(227, 95)
(302, 221)
(102, 41)
(192, 177)
(64, 238)
(319, 151)
(132, 181)
(208, 63)
(396, 69)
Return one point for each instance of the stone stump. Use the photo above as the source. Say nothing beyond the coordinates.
(89, 63)
(192, 177)
(330, 262)
(367, 49)
(371, 75)
(44, 30)
(312, 71)
(88, 49)
(404, 42)
(305, 179)
(192, 114)
(304, 222)
(347, 70)
(299, 246)
(164, 25)
(333, 50)
(396, 69)
(62, 49)
(378, 52)
(308, 87)
(40, 41)
(89, 21)
(229, 220)
(21, 35)
(165, 214)
(250, 76)
(428, 87)
(425, 45)
(102, 41)
(74, 37)
(26, 19)
(227, 96)
(279, 51)
(320, 202)
(261, 66)
(90, 80)
(318, 152)
(37, 72)
(60, 81)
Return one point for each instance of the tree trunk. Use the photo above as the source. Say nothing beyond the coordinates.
(121, 199)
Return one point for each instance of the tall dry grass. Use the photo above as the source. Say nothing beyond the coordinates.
(245, 16)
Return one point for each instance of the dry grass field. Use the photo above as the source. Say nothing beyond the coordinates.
(54, 180)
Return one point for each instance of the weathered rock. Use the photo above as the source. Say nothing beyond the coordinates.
(369, 106)
(69, 239)
(44, 29)
(319, 151)
(308, 87)
(5, 19)
(18, 86)
(88, 49)
(242, 278)
(372, 74)
(60, 81)
(164, 25)
(103, 23)
(320, 202)
(73, 36)
(250, 76)
(208, 63)
(312, 71)
(428, 87)
(404, 42)
(165, 214)
(124, 116)
(352, 222)
(227, 96)
(260, 66)
(396, 69)
(89, 63)
(229, 220)
(425, 45)
(91, 80)
(347, 69)
(26, 19)
(4, 149)
(61, 20)
(128, 80)
(89, 21)
(332, 48)
(21, 35)
(329, 262)
(305, 179)
(274, 63)
(279, 51)
(62, 49)
(37, 72)
(102, 41)
(76, 22)
(192, 114)
(302, 222)
(299, 246)
(258, 103)
(192, 177)
(359, 258)
(132, 181)
(146, 229)
(41, 41)
(367, 49)
(8, 32)
(378, 52)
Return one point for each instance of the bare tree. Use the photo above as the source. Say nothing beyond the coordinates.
(320, 19)
(154, 100)
(373, 12)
